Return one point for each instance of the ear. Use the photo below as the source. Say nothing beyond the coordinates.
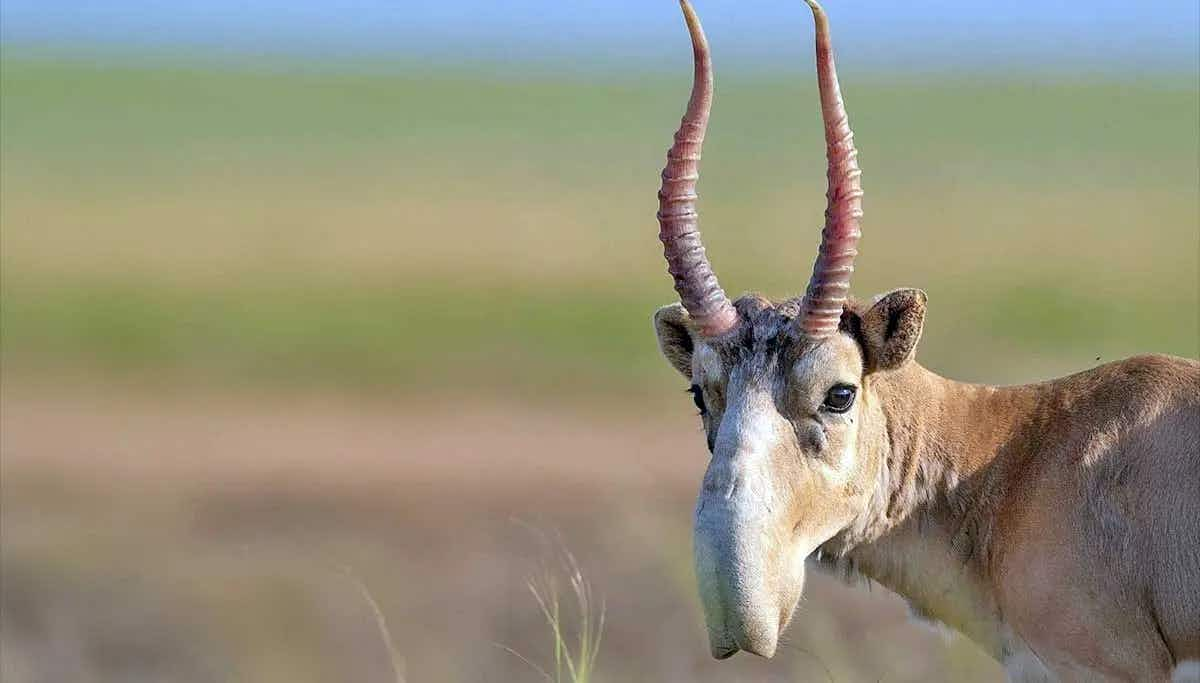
(673, 326)
(890, 329)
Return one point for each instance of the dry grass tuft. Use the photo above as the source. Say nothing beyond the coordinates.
(576, 605)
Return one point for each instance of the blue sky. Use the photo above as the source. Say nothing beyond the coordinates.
(1094, 35)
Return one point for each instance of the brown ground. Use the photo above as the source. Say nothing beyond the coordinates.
(151, 536)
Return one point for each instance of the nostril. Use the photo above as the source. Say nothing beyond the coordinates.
(724, 652)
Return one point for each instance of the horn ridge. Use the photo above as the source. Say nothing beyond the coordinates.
(679, 230)
(828, 289)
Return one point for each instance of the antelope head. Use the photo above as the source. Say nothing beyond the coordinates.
(795, 431)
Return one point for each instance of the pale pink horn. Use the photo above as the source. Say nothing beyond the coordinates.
(821, 310)
(698, 289)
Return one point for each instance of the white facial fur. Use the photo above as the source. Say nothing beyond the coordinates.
(778, 485)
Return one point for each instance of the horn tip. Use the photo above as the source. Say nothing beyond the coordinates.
(689, 15)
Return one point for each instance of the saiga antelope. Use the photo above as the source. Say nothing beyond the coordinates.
(1057, 525)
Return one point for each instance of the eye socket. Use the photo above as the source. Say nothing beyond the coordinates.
(839, 398)
(698, 398)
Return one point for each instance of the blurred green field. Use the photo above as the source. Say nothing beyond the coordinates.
(260, 326)
(401, 230)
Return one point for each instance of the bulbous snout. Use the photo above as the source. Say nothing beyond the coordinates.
(748, 583)
(749, 570)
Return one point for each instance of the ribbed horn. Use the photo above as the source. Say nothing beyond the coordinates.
(821, 310)
(687, 262)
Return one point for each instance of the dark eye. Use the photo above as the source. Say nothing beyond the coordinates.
(840, 398)
(698, 398)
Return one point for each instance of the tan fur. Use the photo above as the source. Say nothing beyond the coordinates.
(1056, 524)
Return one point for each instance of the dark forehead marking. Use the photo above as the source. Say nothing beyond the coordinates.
(767, 331)
(768, 337)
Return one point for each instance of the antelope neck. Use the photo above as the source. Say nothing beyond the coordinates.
(949, 451)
